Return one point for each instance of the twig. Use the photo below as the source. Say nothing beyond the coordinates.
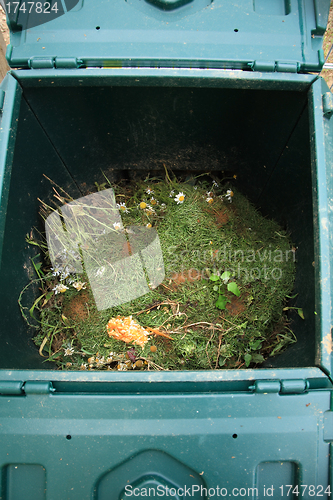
(155, 305)
(218, 351)
(170, 290)
(212, 335)
(172, 316)
(233, 324)
(52, 182)
(201, 324)
(46, 205)
(154, 365)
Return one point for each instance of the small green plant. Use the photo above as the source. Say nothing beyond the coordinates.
(298, 309)
(252, 356)
(221, 285)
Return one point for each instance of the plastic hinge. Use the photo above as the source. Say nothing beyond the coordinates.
(327, 104)
(41, 63)
(297, 386)
(287, 67)
(67, 62)
(11, 387)
(271, 66)
(38, 387)
(263, 66)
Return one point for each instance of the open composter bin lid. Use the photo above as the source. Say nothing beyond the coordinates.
(276, 35)
(263, 35)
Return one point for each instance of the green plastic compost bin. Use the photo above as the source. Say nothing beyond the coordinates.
(120, 86)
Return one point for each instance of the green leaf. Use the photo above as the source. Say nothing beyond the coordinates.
(53, 357)
(37, 267)
(30, 241)
(247, 359)
(276, 349)
(243, 325)
(300, 313)
(257, 358)
(214, 277)
(225, 276)
(232, 287)
(255, 345)
(47, 298)
(221, 302)
(215, 288)
(89, 353)
(31, 310)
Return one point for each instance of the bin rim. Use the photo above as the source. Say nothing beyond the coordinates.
(203, 378)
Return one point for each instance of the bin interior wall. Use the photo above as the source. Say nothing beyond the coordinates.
(73, 134)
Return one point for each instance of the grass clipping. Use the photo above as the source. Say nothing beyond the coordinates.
(227, 274)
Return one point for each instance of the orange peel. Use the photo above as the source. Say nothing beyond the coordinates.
(126, 329)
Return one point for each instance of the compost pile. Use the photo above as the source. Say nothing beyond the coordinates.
(160, 275)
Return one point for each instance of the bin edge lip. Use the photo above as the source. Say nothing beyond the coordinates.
(198, 377)
(94, 76)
